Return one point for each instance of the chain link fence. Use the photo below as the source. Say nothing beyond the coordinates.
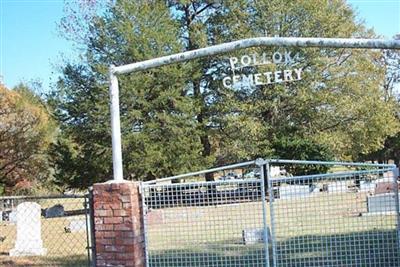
(336, 219)
(45, 231)
(205, 223)
(265, 216)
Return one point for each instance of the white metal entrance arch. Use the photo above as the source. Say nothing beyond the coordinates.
(216, 50)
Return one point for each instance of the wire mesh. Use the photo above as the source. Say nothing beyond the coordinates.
(342, 219)
(205, 223)
(44, 231)
(346, 217)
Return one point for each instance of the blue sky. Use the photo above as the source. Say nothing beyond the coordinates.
(31, 49)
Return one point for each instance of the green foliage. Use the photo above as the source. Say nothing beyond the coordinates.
(179, 118)
(303, 149)
(391, 148)
(81, 105)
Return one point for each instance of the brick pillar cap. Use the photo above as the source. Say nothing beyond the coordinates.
(119, 182)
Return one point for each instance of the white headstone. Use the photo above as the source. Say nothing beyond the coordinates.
(294, 191)
(338, 187)
(381, 203)
(388, 175)
(366, 186)
(255, 235)
(384, 180)
(316, 189)
(275, 171)
(12, 217)
(29, 241)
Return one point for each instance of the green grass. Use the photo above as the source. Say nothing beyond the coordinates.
(316, 231)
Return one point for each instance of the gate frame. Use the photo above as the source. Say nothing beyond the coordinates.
(266, 184)
(263, 182)
(90, 227)
(383, 167)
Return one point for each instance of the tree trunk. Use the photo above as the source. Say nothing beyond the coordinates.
(204, 138)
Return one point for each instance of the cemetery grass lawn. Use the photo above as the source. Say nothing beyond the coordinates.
(63, 249)
(307, 226)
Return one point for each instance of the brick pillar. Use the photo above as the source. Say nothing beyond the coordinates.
(119, 234)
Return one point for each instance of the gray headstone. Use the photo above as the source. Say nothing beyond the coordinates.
(29, 241)
(55, 211)
(381, 203)
(5, 215)
(254, 236)
(316, 188)
(294, 191)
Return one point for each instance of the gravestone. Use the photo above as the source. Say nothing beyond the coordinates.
(316, 188)
(384, 187)
(294, 191)
(381, 203)
(338, 187)
(388, 176)
(255, 235)
(275, 171)
(367, 186)
(12, 216)
(5, 215)
(55, 211)
(29, 241)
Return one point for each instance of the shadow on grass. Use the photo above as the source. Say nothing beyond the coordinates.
(70, 261)
(371, 248)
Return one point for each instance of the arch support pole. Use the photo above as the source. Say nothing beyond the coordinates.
(115, 126)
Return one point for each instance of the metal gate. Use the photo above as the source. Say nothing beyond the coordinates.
(219, 223)
(349, 217)
(253, 215)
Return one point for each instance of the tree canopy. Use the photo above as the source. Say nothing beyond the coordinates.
(26, 131)
(180, 117)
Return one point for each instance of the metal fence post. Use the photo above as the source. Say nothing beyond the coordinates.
(264, 208)
(90, 228)
(271, 210)
(396, 198)
(144, 218)
(88, 243)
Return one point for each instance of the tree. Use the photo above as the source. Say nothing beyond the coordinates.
(391, 60)
(302, 149)
(180, 117)
(26, 130)
(390, 151)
